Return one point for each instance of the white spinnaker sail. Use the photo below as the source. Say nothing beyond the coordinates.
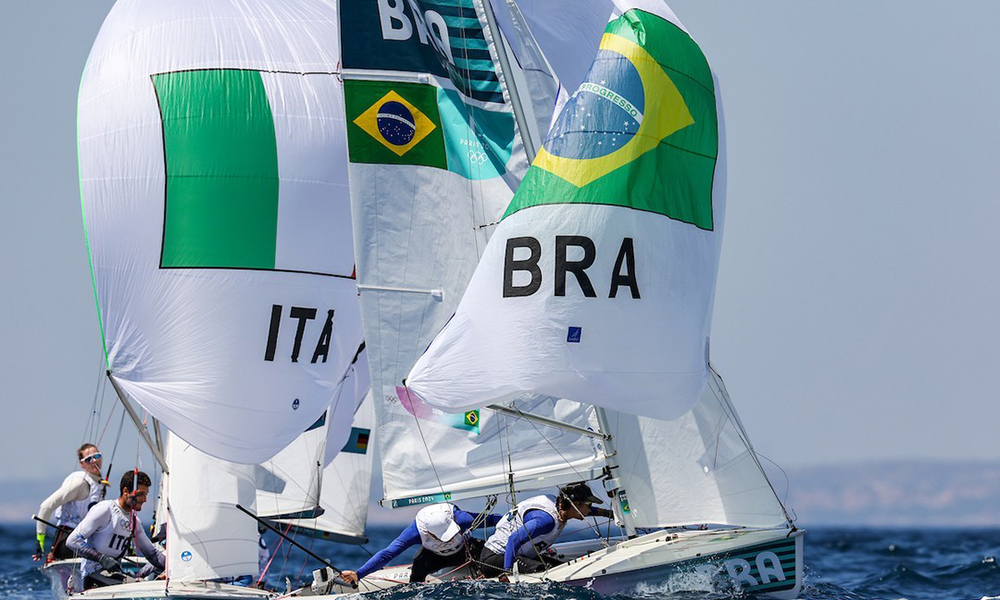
(214, 186)
(207, 536)
(698, 468)
(348, 471)
(598, 284)
(435, 155)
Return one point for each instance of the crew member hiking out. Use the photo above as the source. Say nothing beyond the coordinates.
(441, 530)
(69, 504)
(103, 537)
(532, 526)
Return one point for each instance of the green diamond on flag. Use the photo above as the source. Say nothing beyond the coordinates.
(231, 200)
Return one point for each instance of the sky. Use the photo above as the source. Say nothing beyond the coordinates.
(856, 308)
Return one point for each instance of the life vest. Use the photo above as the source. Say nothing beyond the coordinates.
(71, 513)
(514, 520)
(114, 537)
(431, 543)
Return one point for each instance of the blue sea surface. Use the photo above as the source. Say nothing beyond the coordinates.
(843, 564)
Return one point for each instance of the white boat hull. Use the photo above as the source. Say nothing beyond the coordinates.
(66, 575)
(758, 562)
(63, 574)
(767, 563)
(196, 590)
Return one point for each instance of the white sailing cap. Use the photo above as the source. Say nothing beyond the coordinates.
(439, 521)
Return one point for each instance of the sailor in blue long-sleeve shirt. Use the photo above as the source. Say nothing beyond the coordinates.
(533, 526)
(440, 529)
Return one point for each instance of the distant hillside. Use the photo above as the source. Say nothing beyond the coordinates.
(882, 494)
(896, 494)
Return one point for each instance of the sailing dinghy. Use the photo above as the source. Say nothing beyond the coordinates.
(579, 350)
(213, 177)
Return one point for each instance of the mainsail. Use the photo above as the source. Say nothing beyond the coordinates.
(435, 153)
(346, 485)
(207, 536)
(214, 183)
(346, 464)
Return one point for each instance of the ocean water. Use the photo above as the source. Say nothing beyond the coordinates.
(842, 564)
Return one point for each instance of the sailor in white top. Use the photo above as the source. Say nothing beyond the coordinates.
(69, 504)
(104, 535)
(532, 526)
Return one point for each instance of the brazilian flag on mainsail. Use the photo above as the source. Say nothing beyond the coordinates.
(641, 131)
(394, 123)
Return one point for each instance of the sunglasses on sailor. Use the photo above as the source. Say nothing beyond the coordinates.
(92, 458)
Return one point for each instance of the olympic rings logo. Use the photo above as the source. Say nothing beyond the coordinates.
(477, 157)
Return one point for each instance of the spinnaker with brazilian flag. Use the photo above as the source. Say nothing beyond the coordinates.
(598, 284)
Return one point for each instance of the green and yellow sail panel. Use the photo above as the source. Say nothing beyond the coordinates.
(239, 192)
(641, 132)
(597, 285)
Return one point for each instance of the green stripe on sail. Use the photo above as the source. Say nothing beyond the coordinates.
(643, 135)
(222, 170)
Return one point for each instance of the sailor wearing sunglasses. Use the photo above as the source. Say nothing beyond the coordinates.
(68, 505)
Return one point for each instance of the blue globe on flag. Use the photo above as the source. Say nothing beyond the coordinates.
(395, 123)
(604, 114)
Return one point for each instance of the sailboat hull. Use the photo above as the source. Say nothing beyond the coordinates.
(758, 562)
(66, 575)
(62, 574)
(196, 590)
(767, 563)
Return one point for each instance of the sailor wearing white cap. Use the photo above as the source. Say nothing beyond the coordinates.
(440, 530)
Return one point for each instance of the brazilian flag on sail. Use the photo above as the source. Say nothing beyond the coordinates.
(606, 258)
(394, 123)
(641, 131)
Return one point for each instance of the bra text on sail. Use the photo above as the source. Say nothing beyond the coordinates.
(430, 25)
(622, 275)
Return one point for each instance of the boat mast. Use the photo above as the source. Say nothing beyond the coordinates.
(508, 75)
(613, 484)
(138, 424)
